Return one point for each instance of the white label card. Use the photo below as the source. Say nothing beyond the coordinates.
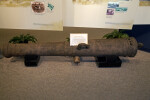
(76, 39)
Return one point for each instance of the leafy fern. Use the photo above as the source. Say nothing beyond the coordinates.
(116, 34)
(23, 39)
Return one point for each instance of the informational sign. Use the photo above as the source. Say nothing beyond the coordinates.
(121, 14)
(95, 13)
(31, 14)
(117, 14)
(144, 2)
(76, 38)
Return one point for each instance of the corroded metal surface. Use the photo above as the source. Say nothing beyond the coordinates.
(99, 47)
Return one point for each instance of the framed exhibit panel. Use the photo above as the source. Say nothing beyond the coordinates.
(116, 14)
(31, 14)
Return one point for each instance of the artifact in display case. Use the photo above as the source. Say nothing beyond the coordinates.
(97, 47)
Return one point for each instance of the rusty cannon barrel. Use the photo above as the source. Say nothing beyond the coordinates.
(97, 47)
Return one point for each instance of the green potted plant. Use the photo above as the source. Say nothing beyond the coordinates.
(23, 39)
(116, 34)
(29, 60)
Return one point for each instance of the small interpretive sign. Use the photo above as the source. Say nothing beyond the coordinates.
(77, 38)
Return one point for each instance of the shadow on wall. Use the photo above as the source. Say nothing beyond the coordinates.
(142, 34)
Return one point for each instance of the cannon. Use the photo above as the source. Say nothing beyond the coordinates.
(96, 47)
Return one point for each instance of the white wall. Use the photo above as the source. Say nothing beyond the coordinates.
(68, 13)
(142, 15)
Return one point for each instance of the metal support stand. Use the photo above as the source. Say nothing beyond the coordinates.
(1, 56)
(108, 61)
(31, 60)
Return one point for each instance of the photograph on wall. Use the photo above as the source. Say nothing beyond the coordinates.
(38, 7)
(113, 4)
(144, 3)
(110, 11)
(31, 14)
(121, 9)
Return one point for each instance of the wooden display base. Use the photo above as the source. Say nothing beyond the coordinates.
(108, 61)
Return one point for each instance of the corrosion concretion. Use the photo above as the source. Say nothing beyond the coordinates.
(97, 47)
